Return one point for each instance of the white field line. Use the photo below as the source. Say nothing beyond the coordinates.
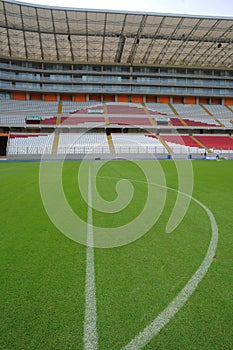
(90, 328)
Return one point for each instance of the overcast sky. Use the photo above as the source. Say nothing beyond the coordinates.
(195, 7)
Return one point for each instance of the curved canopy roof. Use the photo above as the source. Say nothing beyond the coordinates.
(35, 32)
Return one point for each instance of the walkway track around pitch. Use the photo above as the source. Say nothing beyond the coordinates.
(151, 330)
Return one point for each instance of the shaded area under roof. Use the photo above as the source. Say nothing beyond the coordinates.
(40, 33)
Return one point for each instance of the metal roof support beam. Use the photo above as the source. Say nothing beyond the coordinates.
(137, 40)
(24, 36)
(55, 36)
(176, 40)
(7, 29)
(213, 46)
(121, 43)
(180, 48)
(152, 43)
(105, 23)
(168, 43)
(226, 58)
(40, 39)
(111, 35)
(194, 49)
(69, 37)
(87, 55)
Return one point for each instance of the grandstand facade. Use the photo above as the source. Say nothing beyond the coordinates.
(68, 70)
(55, 54)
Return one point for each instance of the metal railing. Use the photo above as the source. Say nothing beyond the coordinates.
(118, 150)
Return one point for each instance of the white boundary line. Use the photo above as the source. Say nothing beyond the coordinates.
(90, 328)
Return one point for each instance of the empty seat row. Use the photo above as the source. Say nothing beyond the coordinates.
(187, 110)
(137, 143)
(82, 143)
(30, 143)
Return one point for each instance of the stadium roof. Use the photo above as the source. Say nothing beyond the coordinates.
(35, 32)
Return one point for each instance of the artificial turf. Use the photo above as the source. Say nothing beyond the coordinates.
(43, 272)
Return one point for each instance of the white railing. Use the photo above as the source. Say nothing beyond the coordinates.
(118, 150)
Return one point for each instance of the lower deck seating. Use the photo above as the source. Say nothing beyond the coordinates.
(137, 143)
(97, 143)
(83, 143)
(182, 144)
(216, 143)
(185, 143)
(31, 143)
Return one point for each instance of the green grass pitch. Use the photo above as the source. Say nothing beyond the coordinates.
(42, 283)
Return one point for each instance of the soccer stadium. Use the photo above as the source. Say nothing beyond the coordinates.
(116, 165)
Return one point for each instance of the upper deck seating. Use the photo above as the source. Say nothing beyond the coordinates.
(12, 120)
(129, 121)
(189, 110)
(88, 121)
(162, 108)
(219, 111)
(122, 108)
(75, 107)
(28, 108)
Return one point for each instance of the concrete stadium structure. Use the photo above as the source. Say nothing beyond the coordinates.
(169, 71)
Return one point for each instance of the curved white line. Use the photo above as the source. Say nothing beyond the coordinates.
(150, 331)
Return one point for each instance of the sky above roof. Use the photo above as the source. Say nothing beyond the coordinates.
(197, 7)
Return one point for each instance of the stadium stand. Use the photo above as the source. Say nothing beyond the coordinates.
(121, 108)
(226, 122)
(130, 121)
(48, 121)
(126, 83)
(162, 108)
(216, 143)
(201, 122)
(89, 121)
(75, 107)
(82, 143)
(219, 111)
(12, 119)
(181, 144)
(194, 122)
(189, 110)
(28, 107)
(136, 143)
(30, 143)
